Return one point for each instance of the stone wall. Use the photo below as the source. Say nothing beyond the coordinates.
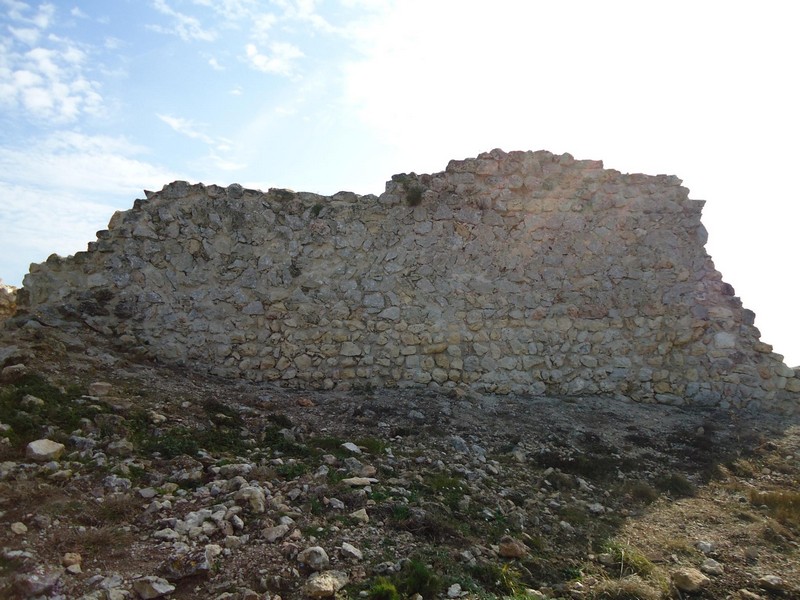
(521, 272)
(8, 301)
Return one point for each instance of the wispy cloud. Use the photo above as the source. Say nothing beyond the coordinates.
(232, 10)
(278, 62)
(42, 18)
(305, 11)
(74, 161)
(26, 35)
(216, 146)
(187, 128)
(214, 64)
(186, 27)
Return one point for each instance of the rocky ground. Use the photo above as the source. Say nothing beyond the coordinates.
(159, 482)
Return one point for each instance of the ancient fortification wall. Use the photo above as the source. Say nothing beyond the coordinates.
(523, 272)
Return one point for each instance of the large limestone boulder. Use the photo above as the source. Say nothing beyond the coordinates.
(44, 450)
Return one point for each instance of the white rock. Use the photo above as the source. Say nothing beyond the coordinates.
(254, 497)
(167, 534)
(19, 528)
(100, 388)
(273, 534)
(314, 557)
(325, 584)
(360, 515)
(350, 551)
(712, 567)
(359, 481)
(689, 580)
(44, 450)
(704, 547)
(772, 583)
(351, 447)
(152, 587)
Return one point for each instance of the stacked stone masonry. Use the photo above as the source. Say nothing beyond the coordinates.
(521, 272)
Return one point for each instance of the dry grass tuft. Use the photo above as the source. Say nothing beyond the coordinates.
(628, 588)
(783, 506)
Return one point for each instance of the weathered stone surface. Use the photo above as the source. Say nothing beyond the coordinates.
(511, 548)
(689, 580)
(326, 584)
(28, 585)
(254, 497)
(349, 551)
(152, 587)
(44, 450)
(520, 272)
(773, 583)
(8, 300)
(315, 558)
(100, 388)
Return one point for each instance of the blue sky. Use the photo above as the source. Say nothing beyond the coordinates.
(102, 99)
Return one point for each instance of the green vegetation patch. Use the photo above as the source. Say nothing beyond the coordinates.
(170, 442)
(29, 419)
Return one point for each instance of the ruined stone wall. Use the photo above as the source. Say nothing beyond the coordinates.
(523, 272)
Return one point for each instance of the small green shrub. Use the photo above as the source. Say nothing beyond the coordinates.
(383, 589)
(629, 560)
(292, 470)
(273, 438)
(400, 512)
(170, 442)
(372, 445)
(501, 579)
(414, 195)
(418, 578)
(450, 488)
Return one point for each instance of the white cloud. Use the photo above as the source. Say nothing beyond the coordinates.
(261, 24)
(75, 162)
(278, 62)
(186, 27)
(58, 190)
(36, 222)
(237, 91)
(77, 12)
(305, 11)
(26, 35)
(47, 81)
(44, 17)
(214, 64)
